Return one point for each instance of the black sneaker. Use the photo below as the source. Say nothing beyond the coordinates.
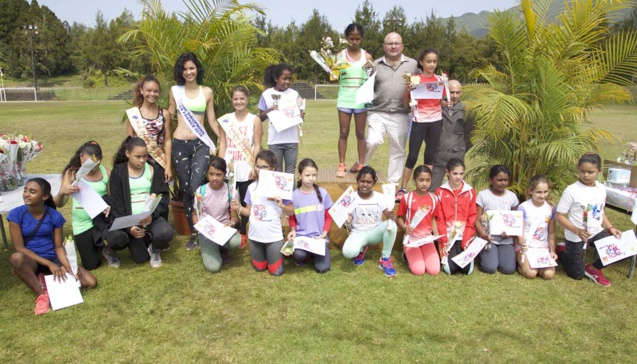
(192, 243)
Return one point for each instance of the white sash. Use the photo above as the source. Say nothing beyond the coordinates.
(241, 143)
(179, 92)
(135, 119)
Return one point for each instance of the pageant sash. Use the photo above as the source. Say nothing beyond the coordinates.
(137, 122)
(179, 93)
(241, 143)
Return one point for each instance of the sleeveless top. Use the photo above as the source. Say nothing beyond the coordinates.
(140, 190)
(155, 127)
(352, 78)
(80, 219)
(241, 166)
(196, 105)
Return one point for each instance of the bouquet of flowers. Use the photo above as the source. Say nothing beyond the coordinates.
(326, 58)
(629, 155)
(16, 151)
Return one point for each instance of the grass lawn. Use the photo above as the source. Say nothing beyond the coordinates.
(181, 313)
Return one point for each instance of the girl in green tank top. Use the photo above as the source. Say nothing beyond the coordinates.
(97, 178)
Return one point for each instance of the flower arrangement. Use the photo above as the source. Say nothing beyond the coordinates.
(629, 155)
(326, 58)
(15, 152)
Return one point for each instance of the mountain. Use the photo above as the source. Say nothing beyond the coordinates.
(477, 24)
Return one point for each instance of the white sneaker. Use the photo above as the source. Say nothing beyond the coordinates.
(155, 257)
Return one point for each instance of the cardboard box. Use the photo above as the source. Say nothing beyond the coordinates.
(632, 168)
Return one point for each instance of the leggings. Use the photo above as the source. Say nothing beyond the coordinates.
(453, 267)
(423, 259)
(500, 257)
(191, 158)
(321, 262)
(287, 152)
(159, 233)
(267, 255)
(430, 134)
(242, 187)
(360, 239)
(572, 258)
(89, 252)
(211, 254)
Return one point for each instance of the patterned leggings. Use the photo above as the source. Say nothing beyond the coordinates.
(191, 158)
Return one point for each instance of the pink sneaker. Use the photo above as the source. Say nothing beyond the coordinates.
(42, 304)
(360, 258)
(596, 275)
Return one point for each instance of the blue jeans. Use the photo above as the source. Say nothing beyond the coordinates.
(287, 152)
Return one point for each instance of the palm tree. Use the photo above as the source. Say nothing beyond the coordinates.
(218, 31)
(531, 112)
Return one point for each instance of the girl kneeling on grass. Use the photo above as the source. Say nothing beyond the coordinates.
(539, 228)
(423, 258)
(499, 254)
(584, 202)
(264, 232)
(216, 199)
(311, 217)
(458, 205)
(36, 232)
(367, 226)
(132, 181)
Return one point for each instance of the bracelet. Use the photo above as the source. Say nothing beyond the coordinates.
(610, 227)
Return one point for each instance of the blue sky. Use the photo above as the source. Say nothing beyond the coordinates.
(281, 12)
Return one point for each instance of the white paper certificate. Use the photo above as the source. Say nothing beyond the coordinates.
(414, 243)
(128, 221)
(365, 93)
(92, 203)
(470, 253)
(505, 221)
(611, 249)
(314, 246)
(212, 229)
(540, 258)
(428, 90)
(286, 116)
(341, 209)
(63, 294)
(275, 184)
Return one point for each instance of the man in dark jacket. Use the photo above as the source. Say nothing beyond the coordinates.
(455, 138)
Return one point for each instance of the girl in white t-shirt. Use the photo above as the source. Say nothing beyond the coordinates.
(367, 226)
(584, 202)
(215, 201)
(239, 145)
(279, 96)
(264, 232)
(539, 228)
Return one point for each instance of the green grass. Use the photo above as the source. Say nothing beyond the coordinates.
(181, 313)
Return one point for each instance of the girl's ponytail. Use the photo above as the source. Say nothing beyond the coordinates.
(127, 145)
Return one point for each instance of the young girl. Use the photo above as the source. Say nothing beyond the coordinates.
(584, 202)
(239, 144)
(425, 257)
(132, 181)
(367, 226)
(151, 123)
(88, 236)
(427, 117)
(351, 79)
(499, 253)
(36, 232)
(458, 204)
(539, 227)
(283, 144)
(264, 232)
(216, 203)
(311, 217)
(191, 145)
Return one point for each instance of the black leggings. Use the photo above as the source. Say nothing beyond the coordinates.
(190, 158)
(160, 235)
(242, 187)
(430, 134)
(89, 252)
(572, 258)
(453, 267)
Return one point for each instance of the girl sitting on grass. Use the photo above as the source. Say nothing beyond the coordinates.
(367, 225)
(36, 232)
(422, 259)
(264, 232)
(215, 202)
(311, 217)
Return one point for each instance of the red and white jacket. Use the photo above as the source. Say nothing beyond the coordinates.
(461, 209)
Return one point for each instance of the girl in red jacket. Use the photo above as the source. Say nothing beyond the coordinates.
(458, 203)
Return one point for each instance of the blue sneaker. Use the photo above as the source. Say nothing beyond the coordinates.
(387, 265)
(360, 258)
